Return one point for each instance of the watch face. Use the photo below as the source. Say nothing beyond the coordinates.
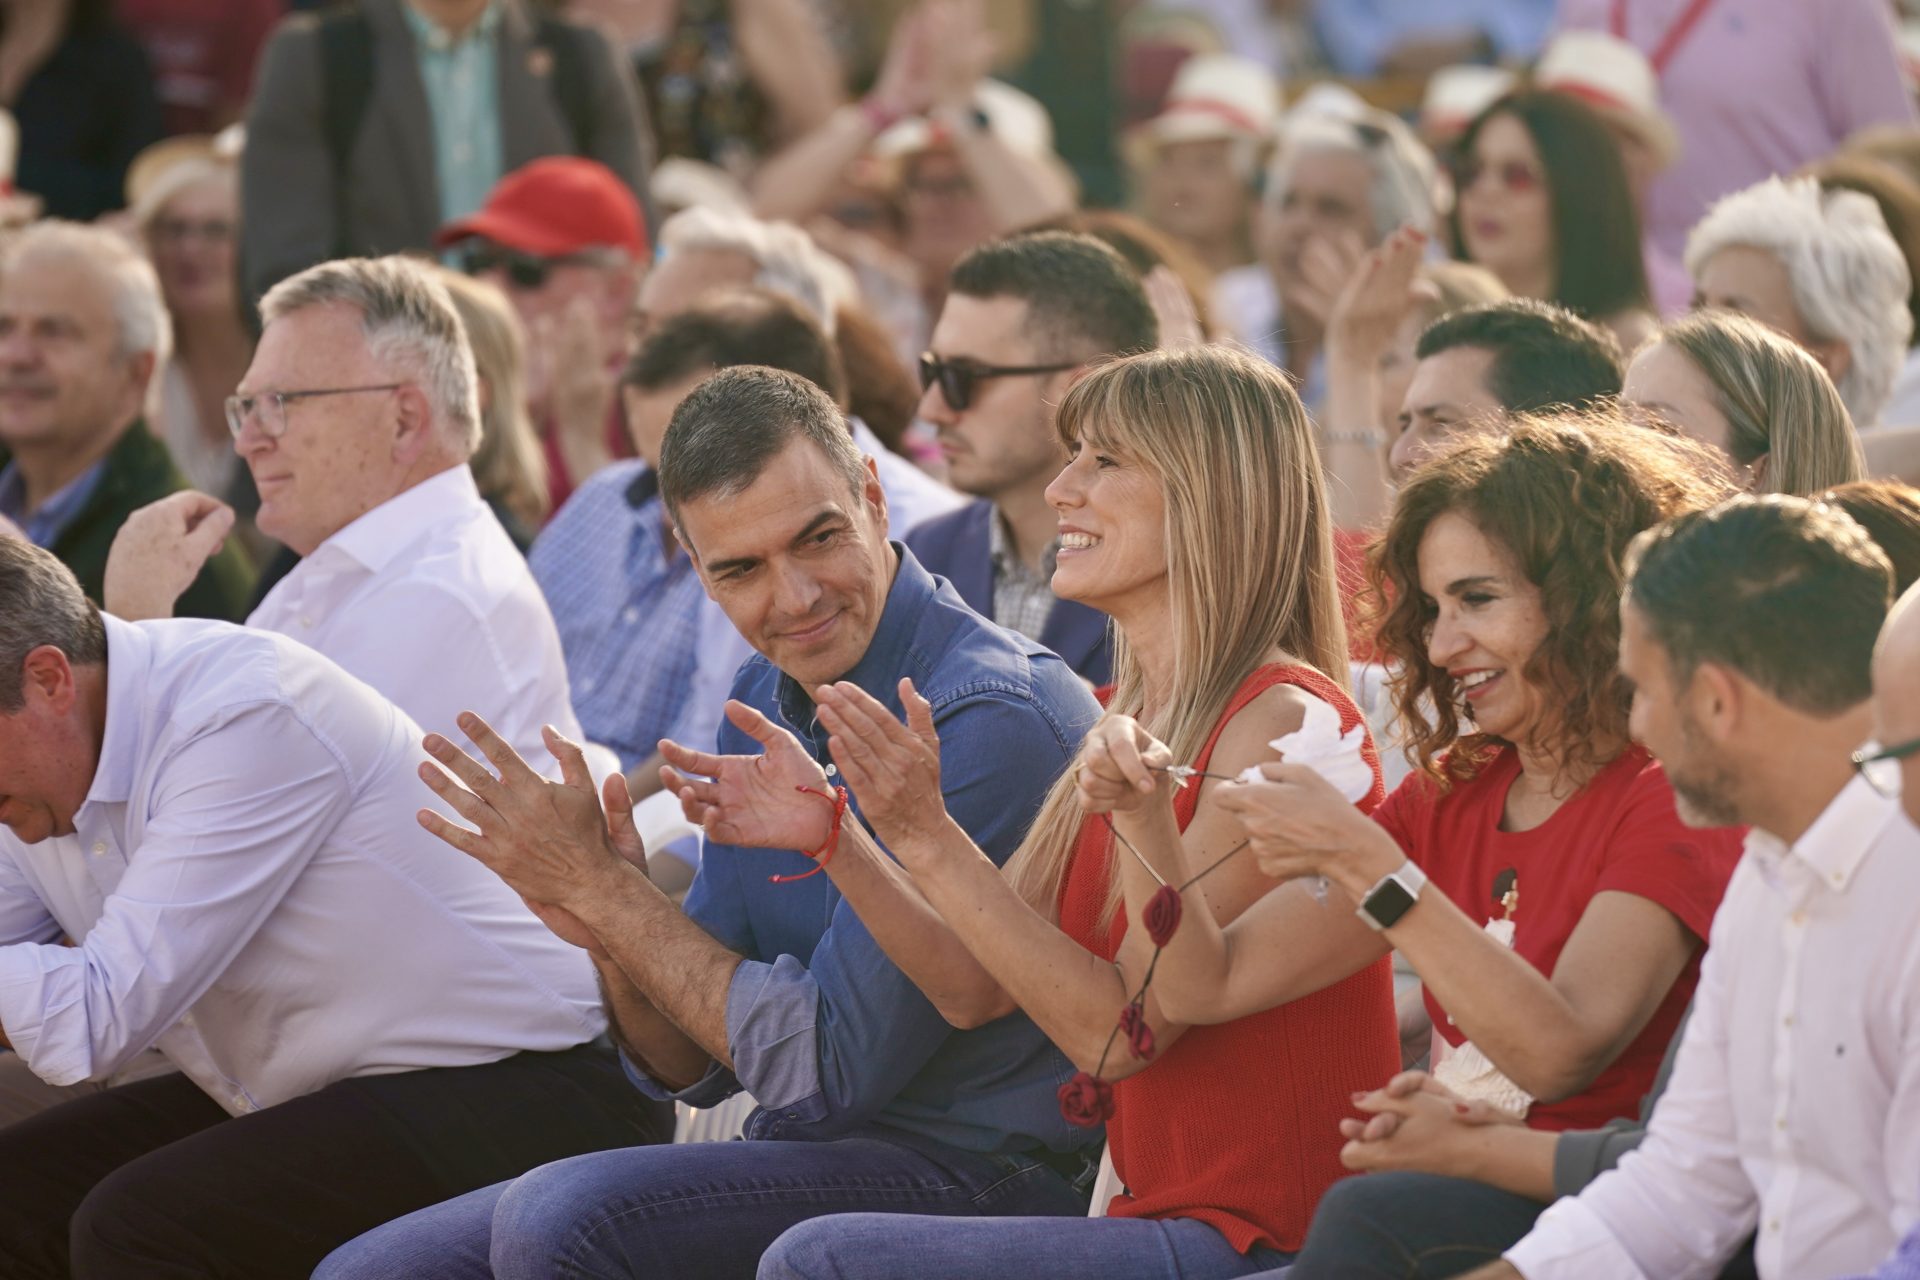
(1387, 903)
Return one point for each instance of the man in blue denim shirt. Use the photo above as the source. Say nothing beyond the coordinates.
(870, 1100)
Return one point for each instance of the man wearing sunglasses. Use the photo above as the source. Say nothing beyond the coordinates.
(1748, 635)
(566, 240)
(1023, 317)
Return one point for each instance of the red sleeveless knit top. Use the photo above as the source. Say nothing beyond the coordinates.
(1237, 1125)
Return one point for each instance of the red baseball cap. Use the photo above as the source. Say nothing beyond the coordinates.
(556, 206)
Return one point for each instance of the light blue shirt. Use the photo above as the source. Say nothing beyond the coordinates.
(1359, 34)
(50, 519)
(462, 79)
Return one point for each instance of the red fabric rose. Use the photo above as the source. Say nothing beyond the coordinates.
(1086, 1100)
(1162, 915)
(1133, 1025)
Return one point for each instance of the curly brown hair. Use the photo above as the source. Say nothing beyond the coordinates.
(1565, 494)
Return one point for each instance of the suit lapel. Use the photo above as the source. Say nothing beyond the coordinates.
(400, 110)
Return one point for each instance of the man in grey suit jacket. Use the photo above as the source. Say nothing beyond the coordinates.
(368, 123)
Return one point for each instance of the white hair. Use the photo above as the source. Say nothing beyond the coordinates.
(139, 312)
(1405, 191)
(785, 258)
(1848, 277)
(409, 320)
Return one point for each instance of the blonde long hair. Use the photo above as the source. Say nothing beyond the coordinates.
(508, 464)
(1249, 554)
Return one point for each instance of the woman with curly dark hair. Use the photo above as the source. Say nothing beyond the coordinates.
(1533, 869)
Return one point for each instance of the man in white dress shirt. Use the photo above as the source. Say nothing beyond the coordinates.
(364, 1022)
(357, 418)
(1794, 1106)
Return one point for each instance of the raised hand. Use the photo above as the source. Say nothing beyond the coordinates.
(548, 840)
(1326, 265)
(758, 801)
(1121, 767)
(1378, 294)
(1173, 308)
(160, 550)
(901, 88)
(625, 838)
(893, 768)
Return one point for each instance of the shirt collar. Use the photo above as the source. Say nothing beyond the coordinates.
(886, 656)
(50, 519)
(1005, 562)
(129, 658)
(439, 39)
(377, 537)
(1839, 839)
(644, 489)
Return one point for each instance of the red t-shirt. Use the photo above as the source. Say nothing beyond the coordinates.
(203, 54)
(1618, 832)
(1237, 1125)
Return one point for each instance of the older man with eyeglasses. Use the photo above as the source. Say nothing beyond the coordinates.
(1023, 318)
(357, 419)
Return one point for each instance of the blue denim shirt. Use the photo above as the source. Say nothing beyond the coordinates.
(826, 1033)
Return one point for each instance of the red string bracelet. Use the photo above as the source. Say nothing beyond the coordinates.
(839, 801)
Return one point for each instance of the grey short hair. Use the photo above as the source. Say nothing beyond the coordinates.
(409, 320)
(785, 258)
(1849, 279)
(1406, 190)
(41, 603)
(139, 311)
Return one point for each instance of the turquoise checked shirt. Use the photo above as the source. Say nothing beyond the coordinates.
(462, 78)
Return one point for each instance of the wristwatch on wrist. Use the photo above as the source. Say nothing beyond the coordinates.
(1393, 896)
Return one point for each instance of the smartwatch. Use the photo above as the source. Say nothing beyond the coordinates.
(1393, 896)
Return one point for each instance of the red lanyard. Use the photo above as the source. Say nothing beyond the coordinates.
(1670, 42)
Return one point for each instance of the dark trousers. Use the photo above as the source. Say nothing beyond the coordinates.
(154, 1180)
(1421, 1226)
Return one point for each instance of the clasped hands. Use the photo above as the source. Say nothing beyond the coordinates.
(1296, 823)
(1415, 1123)
(892, 769)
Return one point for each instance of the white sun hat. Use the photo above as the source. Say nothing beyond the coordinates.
(1616, 80)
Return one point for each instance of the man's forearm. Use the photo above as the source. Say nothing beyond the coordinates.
(683, 975)
(646, 1035)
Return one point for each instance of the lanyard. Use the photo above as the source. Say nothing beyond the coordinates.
(1670, 42)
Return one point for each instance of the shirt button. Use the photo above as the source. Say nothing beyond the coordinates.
(1774, 1226)
(306, 620)
(99, 847)
(833, 770)
(187, 1021)
(1799, 918)
(240, 1103)
(632, 614)
(586, 686)
(1780, 1123)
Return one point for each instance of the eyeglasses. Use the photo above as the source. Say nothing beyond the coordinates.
(1513, 175)
(956, 378)
(526, 270)
(1880, 766)
(179, 230)
(269, 408)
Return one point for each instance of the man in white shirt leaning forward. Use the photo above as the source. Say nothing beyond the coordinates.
(1794, 1107)
(364, 1021)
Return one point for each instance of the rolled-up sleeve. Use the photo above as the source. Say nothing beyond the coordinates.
(827, 1044)
(225, 842)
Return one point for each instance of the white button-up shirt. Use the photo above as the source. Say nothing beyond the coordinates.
(427, 600)
(252, 894)
(1795, 1100)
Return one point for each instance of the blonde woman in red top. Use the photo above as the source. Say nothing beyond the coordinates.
(1193, 513)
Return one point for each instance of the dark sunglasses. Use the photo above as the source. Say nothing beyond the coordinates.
(1514, 175)
(523, 270)
(956, 378)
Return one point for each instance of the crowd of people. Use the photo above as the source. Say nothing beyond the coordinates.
(1197, 639)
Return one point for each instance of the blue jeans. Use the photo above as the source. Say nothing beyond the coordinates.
(706, 1209)
(880, 1246)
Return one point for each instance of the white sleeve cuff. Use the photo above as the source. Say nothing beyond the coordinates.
(1571, 1242)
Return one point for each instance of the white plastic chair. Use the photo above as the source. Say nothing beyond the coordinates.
(1105, 1187)
(712, 1124)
